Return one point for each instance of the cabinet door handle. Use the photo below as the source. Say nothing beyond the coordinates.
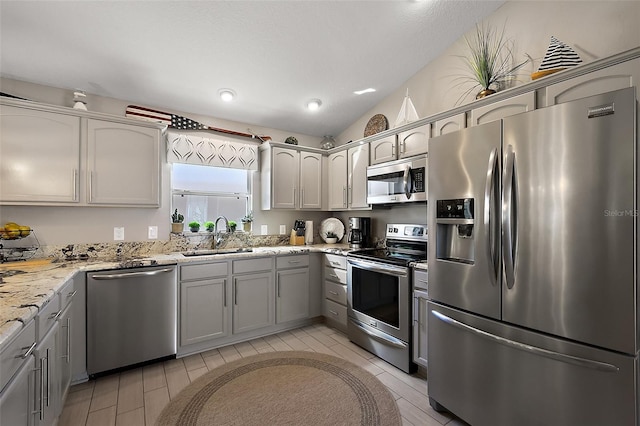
(393, 150)
(68, 327)
(28, 352)
(90, 186)
(344, 196)
(41, 411)
(302, 197)
(349, 195)
(235, 293)
(278, 287)
(294, 196)
(224, 293)
(75, 184)
(48, 378)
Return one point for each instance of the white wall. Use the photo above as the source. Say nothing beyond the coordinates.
(595, 29)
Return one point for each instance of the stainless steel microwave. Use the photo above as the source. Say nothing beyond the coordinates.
(399, 181)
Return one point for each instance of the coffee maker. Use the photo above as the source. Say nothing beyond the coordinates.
(359, 232)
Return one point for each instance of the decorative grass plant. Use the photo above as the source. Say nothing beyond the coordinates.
(490, 61)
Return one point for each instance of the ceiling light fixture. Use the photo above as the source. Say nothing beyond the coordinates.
(227, 95)
(314, 104)
(369, 90)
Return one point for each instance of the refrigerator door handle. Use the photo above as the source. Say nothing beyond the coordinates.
(488, 215)
(557, 356)
(508, 237)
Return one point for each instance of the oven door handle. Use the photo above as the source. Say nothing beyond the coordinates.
(379, 336)
(380, 267)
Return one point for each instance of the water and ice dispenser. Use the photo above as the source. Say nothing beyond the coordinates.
(455, 230)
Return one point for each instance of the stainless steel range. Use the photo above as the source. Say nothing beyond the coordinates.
(379, 294)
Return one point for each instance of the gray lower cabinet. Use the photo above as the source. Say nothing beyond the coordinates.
(335, 291)
(292, 288)
(47, 400)
(253, 301)
(420, 316)
(17, 399)
(204, 313)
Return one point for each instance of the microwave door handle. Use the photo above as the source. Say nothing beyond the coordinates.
(407, 181)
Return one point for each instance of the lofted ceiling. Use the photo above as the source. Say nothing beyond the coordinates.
(276, 55)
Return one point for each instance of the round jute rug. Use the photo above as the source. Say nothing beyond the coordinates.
(284, 388)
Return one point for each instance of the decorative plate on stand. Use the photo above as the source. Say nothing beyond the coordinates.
(376, 124)
(332, 225)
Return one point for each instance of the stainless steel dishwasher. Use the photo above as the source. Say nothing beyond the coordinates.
(131, 317)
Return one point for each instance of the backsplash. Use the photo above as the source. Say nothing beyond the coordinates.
(176, 243)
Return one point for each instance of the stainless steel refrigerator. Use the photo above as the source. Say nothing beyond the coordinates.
(532, 259)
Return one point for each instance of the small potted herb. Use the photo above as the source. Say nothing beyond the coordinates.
(331, 238)
(194, 226)
(176, 222)
(246, 222)
(232, 226)
(208, 226)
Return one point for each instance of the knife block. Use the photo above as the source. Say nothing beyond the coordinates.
(295, 240)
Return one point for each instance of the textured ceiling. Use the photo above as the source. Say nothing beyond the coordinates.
(176, 55)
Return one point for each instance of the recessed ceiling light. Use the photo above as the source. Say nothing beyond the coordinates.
(227, 95)
(360, 92)
(314, 104)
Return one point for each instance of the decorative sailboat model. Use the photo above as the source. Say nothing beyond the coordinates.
(407, 112)
(559, 56)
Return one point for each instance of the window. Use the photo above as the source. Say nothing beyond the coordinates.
(202, 193)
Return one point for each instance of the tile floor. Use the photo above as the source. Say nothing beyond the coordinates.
(136, 397)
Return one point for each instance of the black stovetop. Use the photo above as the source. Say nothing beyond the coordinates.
(389, 255)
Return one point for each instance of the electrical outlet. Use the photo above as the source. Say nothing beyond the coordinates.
(283, 229)
(153, 233)
(264, 230)
(118, 233)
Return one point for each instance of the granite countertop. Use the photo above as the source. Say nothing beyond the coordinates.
(25, 287)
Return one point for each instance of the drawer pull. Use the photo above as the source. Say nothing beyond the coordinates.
(28, 352)
(55, 316)
(294, 262)
(333, 312)
(334, 276)
(334, 263)
(70, 295)
(333, 292)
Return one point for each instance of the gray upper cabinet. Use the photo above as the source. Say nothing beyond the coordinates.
(384, 149)
(33, 142)
(449, 124)
(123, 164)
(338, 180)
(290, 179)
(501, 109)
(404, 144)
(414, 142)
(348, 178)
(620, 76)
(88, 161)
(310, 180)
(357, 163)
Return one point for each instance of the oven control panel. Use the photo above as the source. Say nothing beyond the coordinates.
(407, 231)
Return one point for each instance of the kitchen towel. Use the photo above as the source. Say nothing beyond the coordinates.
(308, 232)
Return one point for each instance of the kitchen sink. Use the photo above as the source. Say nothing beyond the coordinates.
(214, 252)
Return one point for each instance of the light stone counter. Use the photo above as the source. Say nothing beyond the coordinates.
(25, 287)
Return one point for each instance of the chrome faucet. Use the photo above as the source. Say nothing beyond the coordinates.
(215, 225)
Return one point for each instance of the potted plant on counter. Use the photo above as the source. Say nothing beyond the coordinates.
(246, 222)
(176, 222)
(331, 238)
(194, 226)
(208, 226)
(232, 226)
